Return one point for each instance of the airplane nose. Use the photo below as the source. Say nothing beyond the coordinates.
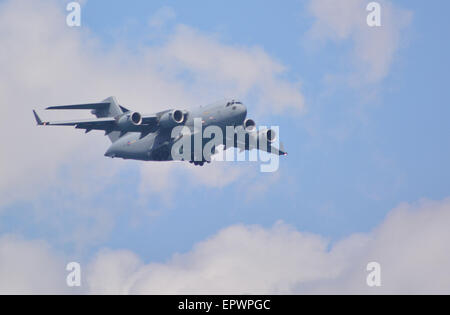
(110, 152)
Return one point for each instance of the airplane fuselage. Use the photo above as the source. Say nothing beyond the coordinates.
(157, 145)
(168, 135)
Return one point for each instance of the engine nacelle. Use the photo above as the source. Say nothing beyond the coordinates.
(268, 136)
(249, 125)
(172, 119)
(129, 120)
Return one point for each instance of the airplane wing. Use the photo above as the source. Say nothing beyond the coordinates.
(276, 147)
(108, 124)
(81, 106)
(278, 150)
(109, 117)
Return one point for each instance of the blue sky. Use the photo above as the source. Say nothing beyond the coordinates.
(357, 150)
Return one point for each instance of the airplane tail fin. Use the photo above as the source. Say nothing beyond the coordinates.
(107, 108)
(114, 109)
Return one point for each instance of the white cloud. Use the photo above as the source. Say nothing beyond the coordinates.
(44, 62)
(30, 267)
(411, 246)
(109, 275)
(375, 48)
(242, 70)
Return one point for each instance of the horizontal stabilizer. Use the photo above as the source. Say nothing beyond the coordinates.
(82, 106)
(98, 123)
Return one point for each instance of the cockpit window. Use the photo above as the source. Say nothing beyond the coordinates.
(233, 103)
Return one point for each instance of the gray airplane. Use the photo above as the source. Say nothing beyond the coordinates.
(150, 137)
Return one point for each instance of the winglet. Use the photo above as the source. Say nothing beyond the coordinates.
(38, 120)
(281, 150)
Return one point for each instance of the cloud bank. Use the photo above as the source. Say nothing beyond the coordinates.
(412, 246)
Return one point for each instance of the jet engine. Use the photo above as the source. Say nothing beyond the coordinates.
(172, 119)
(267, 135)
(129, 120)
(249, 125)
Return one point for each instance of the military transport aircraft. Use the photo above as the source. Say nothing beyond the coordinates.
(150, 137)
